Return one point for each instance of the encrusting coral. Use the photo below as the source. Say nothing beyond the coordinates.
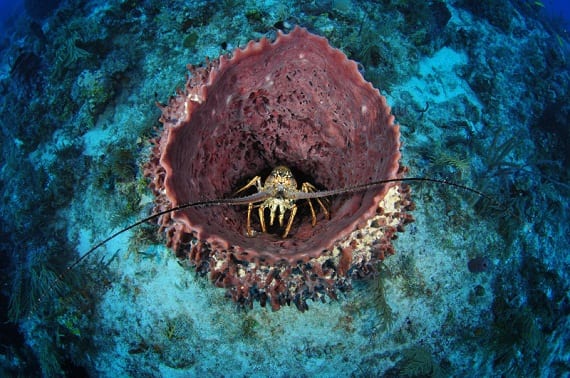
(296, 102)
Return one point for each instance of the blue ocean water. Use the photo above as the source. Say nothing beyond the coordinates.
(478, 284)
(558, 8)
(9, 9)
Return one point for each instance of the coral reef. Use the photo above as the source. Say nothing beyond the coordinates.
(498, 13)
(270, 104)
(479, 264)
(40, 9)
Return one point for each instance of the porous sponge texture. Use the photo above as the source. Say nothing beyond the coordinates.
(296, 102)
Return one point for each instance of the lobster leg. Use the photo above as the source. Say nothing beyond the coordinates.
(290, 222)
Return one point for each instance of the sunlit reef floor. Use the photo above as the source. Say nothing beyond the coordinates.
(477, 101)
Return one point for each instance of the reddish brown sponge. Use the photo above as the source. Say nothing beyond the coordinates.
(296, 102)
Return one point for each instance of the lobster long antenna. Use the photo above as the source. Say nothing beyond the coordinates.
(359, 188)
(257, 197)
